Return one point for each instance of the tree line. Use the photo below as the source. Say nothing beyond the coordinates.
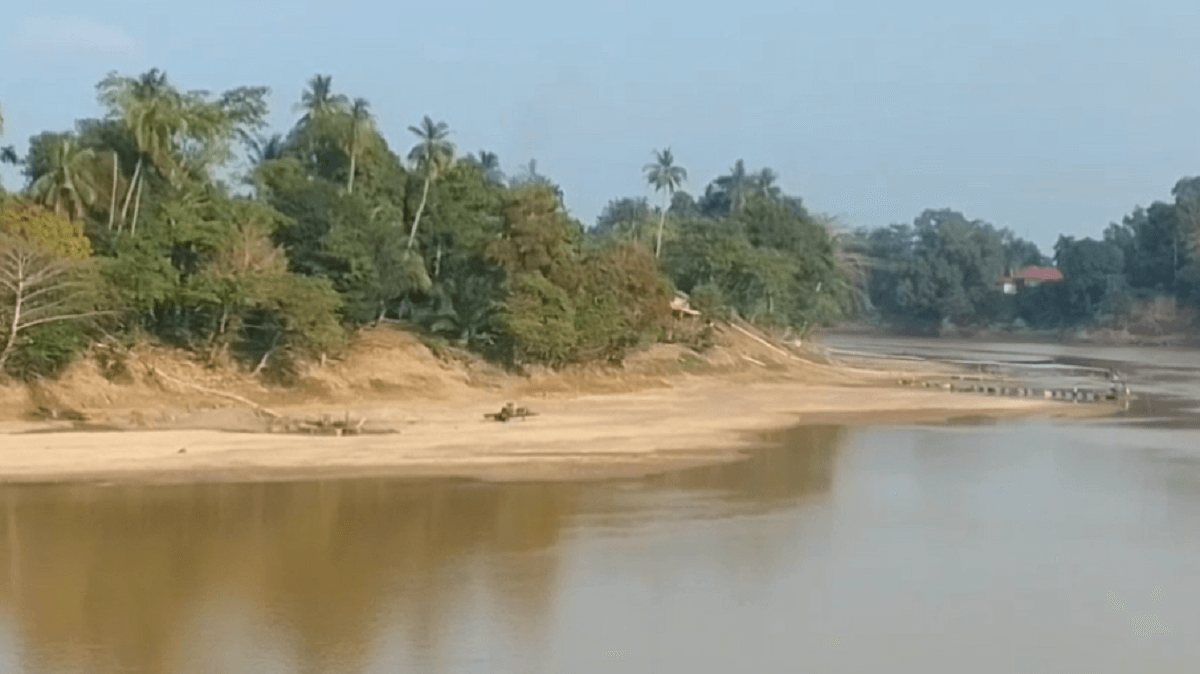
(130, 227)
(942, 270)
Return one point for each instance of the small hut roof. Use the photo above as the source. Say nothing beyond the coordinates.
(1039, 274)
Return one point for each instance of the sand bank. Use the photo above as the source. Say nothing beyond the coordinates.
(580, 437)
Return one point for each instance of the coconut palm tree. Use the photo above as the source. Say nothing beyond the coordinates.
(265, 149)
(665, 177)
(176, 134)
(8, 153)
(68, 185)
(153, 112)
(736, 186)
(432, 154)
(489, 165)
(361, 123)
(764, 183)
(318, 101)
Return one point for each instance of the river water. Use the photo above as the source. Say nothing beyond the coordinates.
(1016, 546)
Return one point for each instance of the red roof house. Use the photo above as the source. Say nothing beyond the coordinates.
(1029, 277)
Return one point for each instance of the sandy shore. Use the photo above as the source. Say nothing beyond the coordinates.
(701, 421)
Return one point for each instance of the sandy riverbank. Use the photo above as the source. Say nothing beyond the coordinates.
(585, 437)
(671, 409)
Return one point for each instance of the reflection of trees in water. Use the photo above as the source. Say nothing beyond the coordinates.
(786, 465)
(108, 579)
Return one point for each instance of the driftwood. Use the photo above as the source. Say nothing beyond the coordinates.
(764, 342)
(325, 425)
(204, 389)
(510, 411)
(54, 413)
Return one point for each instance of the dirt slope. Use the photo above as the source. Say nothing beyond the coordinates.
(157, 386)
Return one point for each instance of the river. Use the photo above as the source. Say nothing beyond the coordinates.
(1014, 546)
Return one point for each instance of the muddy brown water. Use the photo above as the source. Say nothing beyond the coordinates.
(1027, 546)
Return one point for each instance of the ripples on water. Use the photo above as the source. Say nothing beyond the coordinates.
(1032, 547)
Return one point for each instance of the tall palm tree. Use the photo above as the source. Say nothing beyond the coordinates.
(432, 154)
(764, 183)
(360, 121)
(665, 177)
(737, 185)
(68, 184)
(489, 165)
(154, 113)
(318, 101)
(322, 110)
(264, 149)
(260, 150)
(8, 154)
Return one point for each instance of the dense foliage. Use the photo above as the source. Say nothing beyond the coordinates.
(329, 229)
(943, 269)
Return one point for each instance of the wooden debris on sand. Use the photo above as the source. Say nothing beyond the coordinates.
(56, 414)
(326, 425)
(510, 411)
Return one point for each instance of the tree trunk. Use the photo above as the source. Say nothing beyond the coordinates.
(263, 362)
(267, 356)
(412, 236)
(112, 203)
(353, 157)
(137, 171)
(662, 220)
(137, 203)
(11, 340)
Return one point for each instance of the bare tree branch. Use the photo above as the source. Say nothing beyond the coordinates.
(37, 288)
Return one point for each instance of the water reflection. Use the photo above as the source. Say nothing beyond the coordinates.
(791, 463)
(322, 576)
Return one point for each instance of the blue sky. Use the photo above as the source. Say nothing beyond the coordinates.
(1045, 117)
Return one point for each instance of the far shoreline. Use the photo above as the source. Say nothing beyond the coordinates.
(1094, 337)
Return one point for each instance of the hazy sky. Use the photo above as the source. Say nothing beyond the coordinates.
(1045, 117)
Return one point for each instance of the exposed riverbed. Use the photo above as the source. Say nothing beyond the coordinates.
(1068, 545)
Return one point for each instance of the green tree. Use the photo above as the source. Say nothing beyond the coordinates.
(318, 102)
(1149, 241)
(768, 264)
(943, 268)
(623, 218)
(489, 165)
(727, 194)
(68, 184)
(433, 154)
(1187, 219)
(46, 277)
(47, 230)
(361, 123)
(8, 154)
(269, 148)
(764, 183)
(1092, 272)
(529, 176)
(177, 134)
(665, 176)
(319, 133)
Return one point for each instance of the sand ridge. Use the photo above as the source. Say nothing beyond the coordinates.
(668, 407)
